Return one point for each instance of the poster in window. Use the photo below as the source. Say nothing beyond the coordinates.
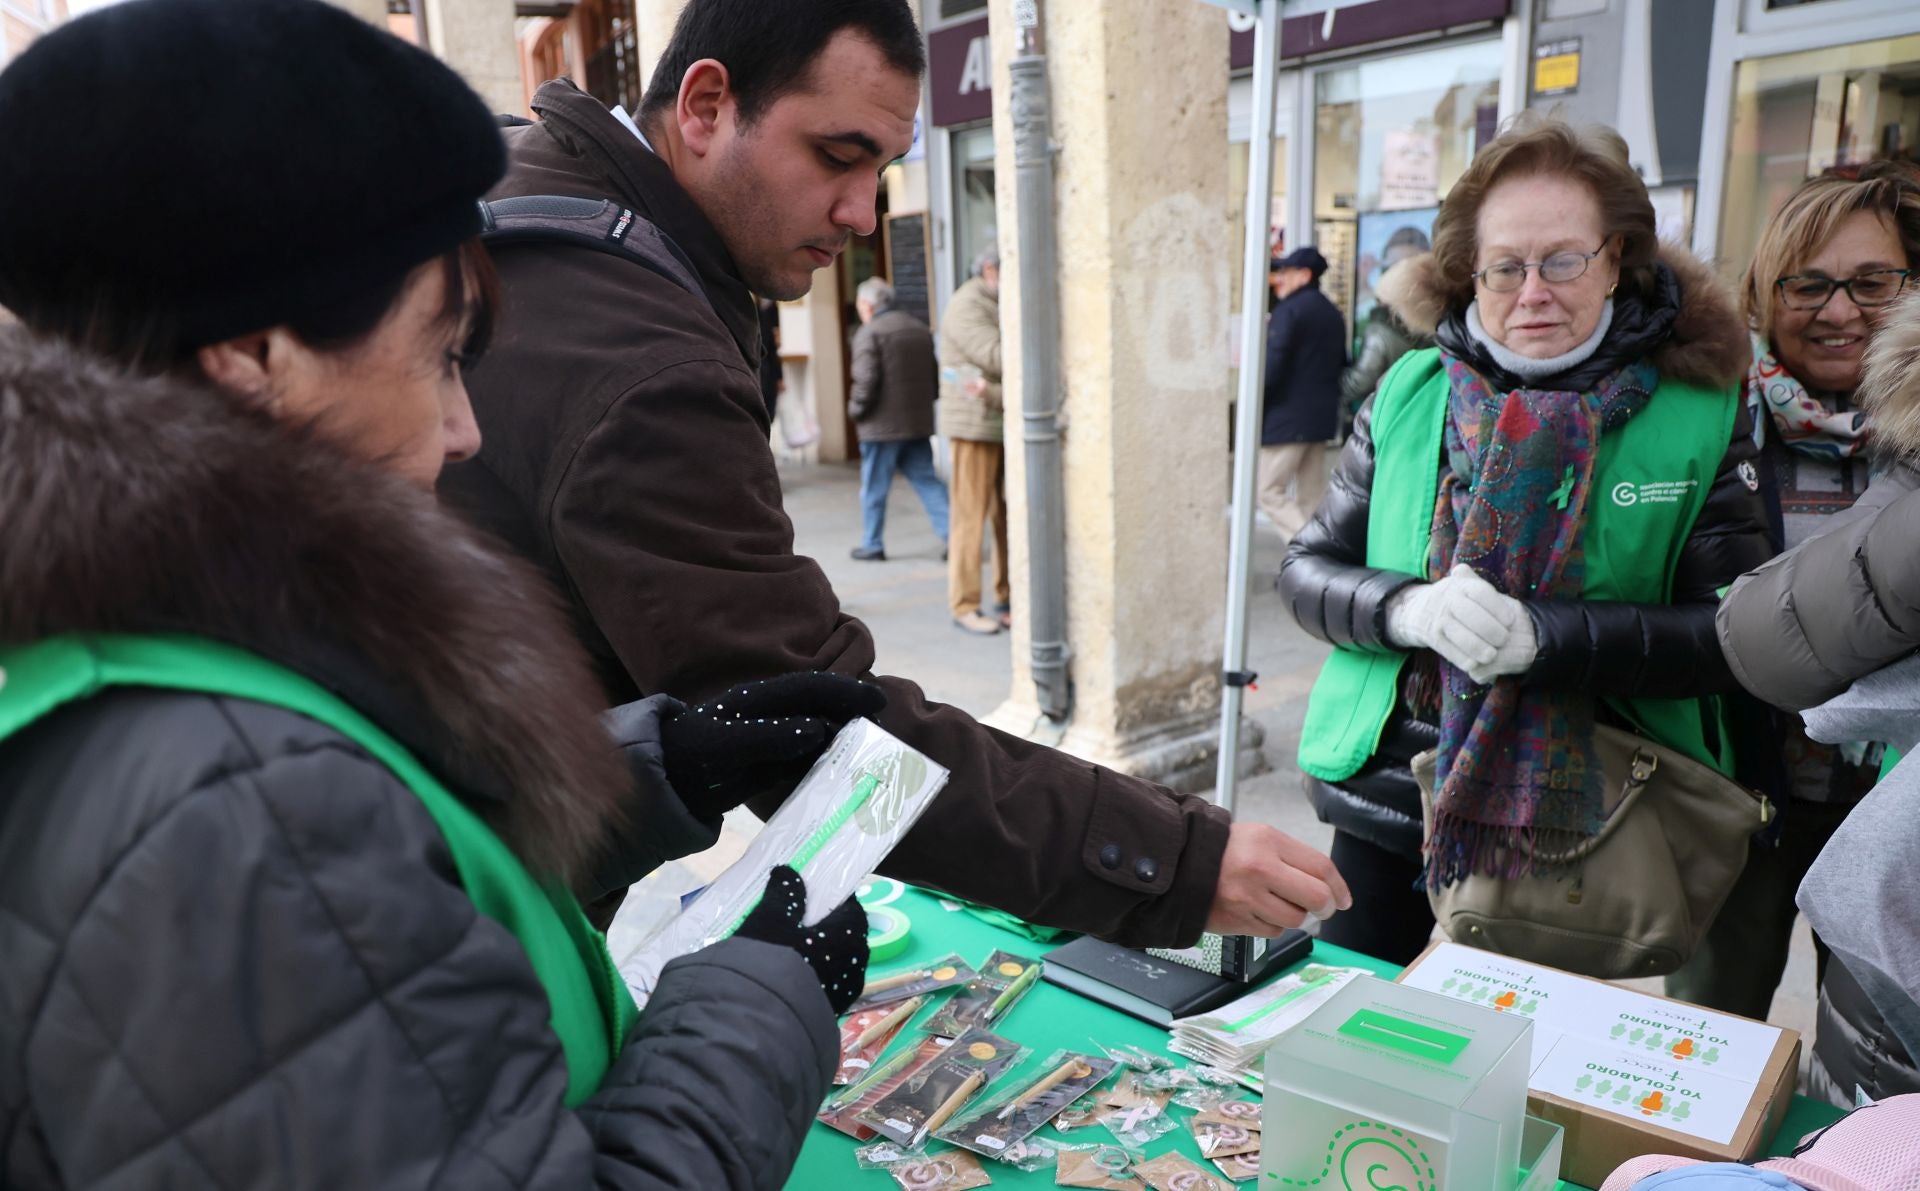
(1384, 239)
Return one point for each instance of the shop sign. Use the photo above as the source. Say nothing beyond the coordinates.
(1347, 25)
(1556, 67)
(960, 73)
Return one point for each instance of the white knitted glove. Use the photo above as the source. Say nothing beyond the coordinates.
(1467, 621)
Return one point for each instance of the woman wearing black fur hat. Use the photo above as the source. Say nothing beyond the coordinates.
(298, 778)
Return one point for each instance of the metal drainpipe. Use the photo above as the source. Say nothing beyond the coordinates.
(1040, 364)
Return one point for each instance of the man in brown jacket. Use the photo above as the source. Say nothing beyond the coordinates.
(895, 383)
(626, 451)
(972, 420)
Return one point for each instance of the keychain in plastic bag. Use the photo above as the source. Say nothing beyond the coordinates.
(1240, 1167)
(1177, 1172)
(884, 1153)
(938, 1090)
(1002, 981)
(842, 1110)
(1079, 1115)
(852, 809)
(1222, 1139)
(1010, 1118)
(947, 972)
(1131, 1089)
(1029, 1155)
(1109, 1167)
(953, 1170)
(864, 1035)
(1138, 1123)
(1136, 1058)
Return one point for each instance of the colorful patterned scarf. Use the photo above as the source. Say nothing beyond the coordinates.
(1516, 766)
(1804, 423)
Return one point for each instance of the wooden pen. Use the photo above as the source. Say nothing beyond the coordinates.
(872, 1078)
(906, 1009)
(894, 981)
(945, 1112)
(1071, 1069)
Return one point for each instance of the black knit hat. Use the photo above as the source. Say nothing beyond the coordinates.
(234, 163)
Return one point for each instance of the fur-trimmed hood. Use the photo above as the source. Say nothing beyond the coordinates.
(1890, 381)
(1708, 347)
(137, 504)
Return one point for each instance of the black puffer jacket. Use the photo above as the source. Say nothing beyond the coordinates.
(1853, 1047)
(236, 950)
(1594, 648)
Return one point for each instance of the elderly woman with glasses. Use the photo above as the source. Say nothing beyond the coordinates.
(1527, 531)
(1837, 373)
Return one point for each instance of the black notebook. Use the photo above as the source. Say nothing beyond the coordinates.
(1154, 989)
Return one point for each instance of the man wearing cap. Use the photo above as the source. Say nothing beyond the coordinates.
(1306, 351)
(626, 452)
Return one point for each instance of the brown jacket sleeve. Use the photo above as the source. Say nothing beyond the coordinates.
(865, 387)
(669, 528)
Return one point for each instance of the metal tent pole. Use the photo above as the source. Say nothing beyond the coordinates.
(1247, 409)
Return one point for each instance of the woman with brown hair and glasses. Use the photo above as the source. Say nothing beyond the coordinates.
(1527, 532)
(1834, 345)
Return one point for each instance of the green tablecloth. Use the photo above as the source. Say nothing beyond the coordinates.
(1050, 1017)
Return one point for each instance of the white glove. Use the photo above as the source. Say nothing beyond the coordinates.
(1467, 621)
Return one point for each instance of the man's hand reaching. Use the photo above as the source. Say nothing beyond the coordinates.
(1270, 881)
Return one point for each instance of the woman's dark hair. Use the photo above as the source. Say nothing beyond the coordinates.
(1534, 144)
(148, 338)
(768, 46)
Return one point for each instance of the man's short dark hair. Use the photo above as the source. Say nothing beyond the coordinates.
(768, 46)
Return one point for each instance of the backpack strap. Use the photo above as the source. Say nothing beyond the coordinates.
(600, 224)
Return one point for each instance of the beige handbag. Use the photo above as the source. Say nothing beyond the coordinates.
(1640, 894)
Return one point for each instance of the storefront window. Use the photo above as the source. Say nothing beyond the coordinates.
(1390, 138)
(973, 212)
(1237, 165)
(1795, 115)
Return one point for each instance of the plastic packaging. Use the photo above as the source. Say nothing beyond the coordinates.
(885, 987)
(1081, 1114)
(1241, 1167)
(954, 1170)
(987, 998)
(939, 1090)
(1011, 1117)
(855, 804)
(1030, 1155)
(842, 1110)
(865, 1034)
(1104, 1166)
(1177, 1172)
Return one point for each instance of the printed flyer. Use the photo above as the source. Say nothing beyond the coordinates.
(1640, 1087)
(1677, 1066)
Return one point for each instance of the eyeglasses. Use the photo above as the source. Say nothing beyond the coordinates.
(1557, 269)
(1811, 292)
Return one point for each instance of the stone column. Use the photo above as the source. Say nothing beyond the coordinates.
(1139, 95)
(476, 38)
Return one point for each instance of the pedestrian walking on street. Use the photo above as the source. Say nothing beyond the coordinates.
(895, 383)
(302, 778)
(626, 451)
(1306, 351)
(1821, 291)
(1494, 582)
(972, 421)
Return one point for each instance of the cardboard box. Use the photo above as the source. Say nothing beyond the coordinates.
(1622, 1072)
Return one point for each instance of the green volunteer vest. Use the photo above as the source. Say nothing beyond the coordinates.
(591, 1008)
(1651, 480)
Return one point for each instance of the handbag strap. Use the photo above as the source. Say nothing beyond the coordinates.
(1640, 773)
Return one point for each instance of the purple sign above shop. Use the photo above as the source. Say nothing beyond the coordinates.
(1363, 24)
(960, 73)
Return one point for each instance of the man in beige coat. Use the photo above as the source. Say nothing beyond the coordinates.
(971, 419)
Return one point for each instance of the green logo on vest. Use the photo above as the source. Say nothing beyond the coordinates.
(1627, 494)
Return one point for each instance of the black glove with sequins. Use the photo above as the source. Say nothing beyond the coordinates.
(759, 737)
(835, 947)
